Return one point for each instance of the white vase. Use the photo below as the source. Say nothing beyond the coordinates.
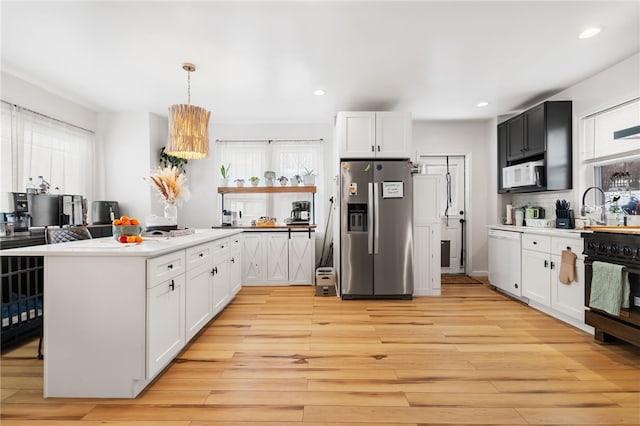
(309, 179)
(171, 213)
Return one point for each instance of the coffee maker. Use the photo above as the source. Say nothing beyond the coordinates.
(15, 208)
(300, 213)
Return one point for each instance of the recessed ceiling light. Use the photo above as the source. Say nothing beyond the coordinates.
(589, 32)
(319, 92)
(482, 104)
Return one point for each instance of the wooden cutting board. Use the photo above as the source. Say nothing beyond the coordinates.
(635, 230)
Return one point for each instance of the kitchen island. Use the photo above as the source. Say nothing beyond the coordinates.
(117, 314)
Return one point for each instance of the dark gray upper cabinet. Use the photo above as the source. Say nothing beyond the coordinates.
(535, 132)
(503, 140)
(543, 132)
(515, 141)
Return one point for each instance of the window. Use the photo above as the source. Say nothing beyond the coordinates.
(612, 165)
(285, 158)
(33, 145)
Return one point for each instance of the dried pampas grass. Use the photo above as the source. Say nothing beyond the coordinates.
(171, 185)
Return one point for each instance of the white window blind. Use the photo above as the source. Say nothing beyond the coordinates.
(34, 145)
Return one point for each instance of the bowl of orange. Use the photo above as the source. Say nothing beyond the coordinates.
(127, 230)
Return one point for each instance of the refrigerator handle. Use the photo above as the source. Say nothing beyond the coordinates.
(370, 219)
(376, 218)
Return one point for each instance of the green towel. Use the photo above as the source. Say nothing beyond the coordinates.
(609, 287)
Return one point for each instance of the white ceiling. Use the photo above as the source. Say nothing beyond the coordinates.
(262, 61)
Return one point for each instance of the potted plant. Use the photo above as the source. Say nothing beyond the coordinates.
(239, 183)
(309, 176)
(296, 180)
(269, 177)
(255, 180)
(225, 174)
(283, 180)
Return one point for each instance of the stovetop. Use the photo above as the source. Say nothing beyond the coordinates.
(613, 247)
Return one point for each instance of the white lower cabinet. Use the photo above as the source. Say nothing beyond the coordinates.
(541, 263)
(301, 259)
(187, 289)
(568, 298)
(220, 283)
(235, 268)
(198, 288)
(537, 268)
(426, 269)
(165, 323)
(278, 257)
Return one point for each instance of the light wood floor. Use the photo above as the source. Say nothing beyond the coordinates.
(281, 356)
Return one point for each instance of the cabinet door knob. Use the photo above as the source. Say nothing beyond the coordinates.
(372, 149)
(546, 263)
(201, 255)
(213, 271)
(233, 260)
(170, 266)
(172, 286)
(553, 265)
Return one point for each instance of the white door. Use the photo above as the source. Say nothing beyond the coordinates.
(451, 172)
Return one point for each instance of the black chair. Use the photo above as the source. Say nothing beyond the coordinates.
(62, 235)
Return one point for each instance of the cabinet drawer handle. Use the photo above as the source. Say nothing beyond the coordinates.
(172, 286)
(201, 255)
(170, 266)
(535, 243)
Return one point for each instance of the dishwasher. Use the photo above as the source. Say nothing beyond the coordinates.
(505, 261)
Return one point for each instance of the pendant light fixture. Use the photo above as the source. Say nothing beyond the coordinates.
(188, 126)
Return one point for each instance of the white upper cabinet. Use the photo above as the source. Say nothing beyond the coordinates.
(367, 134)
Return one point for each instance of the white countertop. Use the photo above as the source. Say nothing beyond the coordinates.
(572, 233)
(108, 246)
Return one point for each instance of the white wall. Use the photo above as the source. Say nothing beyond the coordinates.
(125, 142)
(473, 139)
(27, 95)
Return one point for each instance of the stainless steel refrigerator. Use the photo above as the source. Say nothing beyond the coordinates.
(376, 229)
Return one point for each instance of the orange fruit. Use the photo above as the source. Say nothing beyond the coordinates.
(117, 222)
(131, 239)
(138, 239)
(126, 223)
(134, 221)
(124, 218)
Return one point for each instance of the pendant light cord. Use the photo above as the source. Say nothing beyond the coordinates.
(188, 87)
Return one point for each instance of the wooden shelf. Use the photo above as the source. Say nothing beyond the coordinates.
(265, 189)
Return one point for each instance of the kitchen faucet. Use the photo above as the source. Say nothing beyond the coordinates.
(583, 210)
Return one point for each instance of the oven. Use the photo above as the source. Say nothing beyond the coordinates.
(622, 249)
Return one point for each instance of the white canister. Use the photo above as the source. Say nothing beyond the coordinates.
(509, 214)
